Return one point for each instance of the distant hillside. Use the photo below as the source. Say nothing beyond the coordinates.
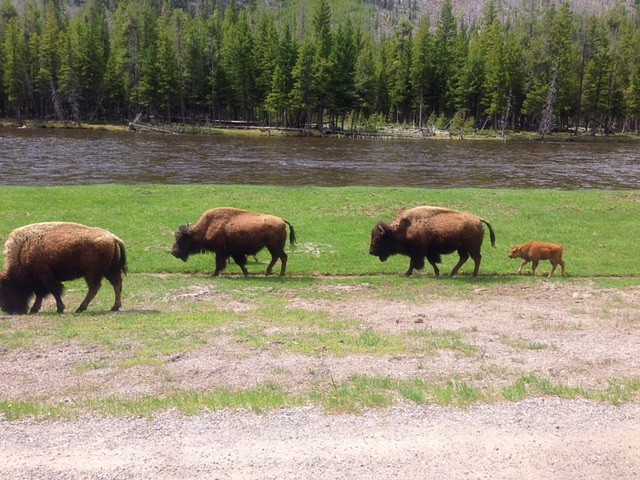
(388, 11)
(472, 9)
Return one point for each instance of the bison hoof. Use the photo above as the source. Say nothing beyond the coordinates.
(115, 308)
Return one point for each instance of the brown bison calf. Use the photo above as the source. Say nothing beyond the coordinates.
(535, 251)
(39, 257)
(429, 232)
(235, 233)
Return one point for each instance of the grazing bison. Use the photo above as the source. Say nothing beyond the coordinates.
(535, 251)
(234, 233)
(39, 257)
(430, 232)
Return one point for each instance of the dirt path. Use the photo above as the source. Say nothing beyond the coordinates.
(572, 334)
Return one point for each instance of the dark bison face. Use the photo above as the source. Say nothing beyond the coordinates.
(14, 299)
(184, 244)
(381, 242)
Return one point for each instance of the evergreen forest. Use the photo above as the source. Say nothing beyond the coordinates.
(547, 67)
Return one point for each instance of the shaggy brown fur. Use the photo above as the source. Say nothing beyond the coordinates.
(39, 257)
(235, 233)
(430, 232)
(535, 251)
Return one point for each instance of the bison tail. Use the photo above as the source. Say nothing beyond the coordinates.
(122, 257)
(292, 234)
(491, 233)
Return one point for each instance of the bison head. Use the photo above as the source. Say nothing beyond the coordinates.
(14, 298)
(184, 245)
(382, 242)
(515, 251)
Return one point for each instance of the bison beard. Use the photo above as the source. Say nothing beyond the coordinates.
(429, 232)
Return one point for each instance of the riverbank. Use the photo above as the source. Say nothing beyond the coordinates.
(383, 132)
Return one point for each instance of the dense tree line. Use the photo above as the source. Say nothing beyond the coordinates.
(547, 68)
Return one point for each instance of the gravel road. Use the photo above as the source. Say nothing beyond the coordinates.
(540, 438)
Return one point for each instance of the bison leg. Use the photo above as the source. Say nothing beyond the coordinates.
(464, 256)
(37, 305)
(417, 262)
(94, 287)
(49, 284)
(274, 258)
(524, 262)
(116, 282)
(241, 261)
(561, 262)
(56, 288)
(283, 261)
(534, 265)
(477, 258)
(221, 263)
(436, 270)
(59, 305)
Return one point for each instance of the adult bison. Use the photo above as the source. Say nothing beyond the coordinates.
(430, 232)
(235, 233)
(39, 257)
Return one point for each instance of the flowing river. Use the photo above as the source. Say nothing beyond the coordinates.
(74, 157)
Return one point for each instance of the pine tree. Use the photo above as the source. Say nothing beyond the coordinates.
(303, 94)
(632, 92)
(145, 92)
(383, 66)
(443, 56)
(465, 78)
(129, 78)
(322, 64)
(400, 75)
(238, 62)
(342, 61)
(266, 53)
(196, 63)
(69, 80)
(597, 71)
(365, 80)
(50, 49)
(7, 13)
(422, 68)
(166, 64)
(14, 71)
(278, 99)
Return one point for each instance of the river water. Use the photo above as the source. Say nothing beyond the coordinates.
(73, 157)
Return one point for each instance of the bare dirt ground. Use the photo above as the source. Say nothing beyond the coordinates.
(572, 334)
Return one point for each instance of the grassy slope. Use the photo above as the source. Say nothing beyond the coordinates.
(334, 224)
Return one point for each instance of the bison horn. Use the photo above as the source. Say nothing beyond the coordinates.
(381, 229)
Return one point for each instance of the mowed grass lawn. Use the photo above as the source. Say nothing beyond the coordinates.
(597, 228)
